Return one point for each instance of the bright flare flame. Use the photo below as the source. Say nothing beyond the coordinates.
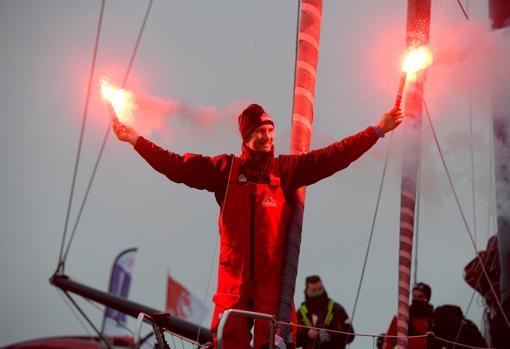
(416, 60)
(121, 100)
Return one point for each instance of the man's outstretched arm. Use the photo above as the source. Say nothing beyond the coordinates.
(318, 164)
(194, 170)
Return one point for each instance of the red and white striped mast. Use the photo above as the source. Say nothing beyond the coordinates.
(307, 57)
(417, 34)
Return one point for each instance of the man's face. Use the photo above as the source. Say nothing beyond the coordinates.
(419, 296)
(261, 139)
(314, 289)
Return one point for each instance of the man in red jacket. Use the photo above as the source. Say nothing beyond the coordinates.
(252, 191)
(420, 320)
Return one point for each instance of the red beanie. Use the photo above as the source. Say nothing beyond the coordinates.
(252, 118)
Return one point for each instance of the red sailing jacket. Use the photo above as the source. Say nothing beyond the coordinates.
(421, 326)
(211, 173)
(254, 216)
(267, 181)
(251, 191)
(252, 236)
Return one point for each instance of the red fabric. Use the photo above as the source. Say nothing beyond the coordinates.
(474, 276)
(211, 173)
(251, 256)
(414, 343)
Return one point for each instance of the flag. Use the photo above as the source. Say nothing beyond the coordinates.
(183, 304)
(114, 322)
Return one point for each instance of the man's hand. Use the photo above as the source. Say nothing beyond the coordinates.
(390, 120)
(124, 133)
(324, 336)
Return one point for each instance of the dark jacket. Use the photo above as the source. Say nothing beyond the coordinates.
(211, 173)
(339, 322)
(449, 324)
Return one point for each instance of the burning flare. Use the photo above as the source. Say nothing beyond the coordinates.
(416, 60)
(121, 100)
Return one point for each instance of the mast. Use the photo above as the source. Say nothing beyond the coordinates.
(417, 34)
(307, 57)
(181, 327)
(499, 12)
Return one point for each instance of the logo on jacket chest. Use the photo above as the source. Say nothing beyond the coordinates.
(269, 201)
(242, 179)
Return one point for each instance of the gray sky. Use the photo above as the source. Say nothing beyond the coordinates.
(204, 53)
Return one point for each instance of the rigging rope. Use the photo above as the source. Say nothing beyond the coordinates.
(209, 278)
(496, 297)
(182, 339)
(105, 138)
(102, 310)
(473, 191)
(346, 333)
(73, 311)
(95, 305)
(372, 227)
(91, 324)
(463, 10)
(466, 312)
(470, 103)
(82, 131)
(375, 336)
(492, 221)
(87, 191)
(253, 49)
(138, 39)
(417, 218)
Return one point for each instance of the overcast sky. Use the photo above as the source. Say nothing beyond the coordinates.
(222, 55)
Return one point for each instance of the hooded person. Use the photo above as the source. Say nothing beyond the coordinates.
(450, 324)
(252, 191)
(318, 316)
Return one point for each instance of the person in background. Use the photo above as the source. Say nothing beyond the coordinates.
(420, 319)
(322, 312)
(450, 324)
